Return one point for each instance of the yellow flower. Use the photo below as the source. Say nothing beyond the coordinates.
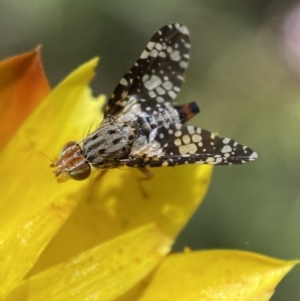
(99, 239)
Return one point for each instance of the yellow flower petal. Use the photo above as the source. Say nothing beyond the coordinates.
(23, 86)
(216, 276)
(104, 272)
(123, 200)
(168, 199)
(27, 182)
(20, 252)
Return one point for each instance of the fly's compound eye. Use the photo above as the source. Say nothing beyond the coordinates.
(68, 145)
(81, 172)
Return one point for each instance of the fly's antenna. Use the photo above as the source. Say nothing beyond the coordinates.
(47, 157)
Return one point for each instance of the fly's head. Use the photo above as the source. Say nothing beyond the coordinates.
(71, 163)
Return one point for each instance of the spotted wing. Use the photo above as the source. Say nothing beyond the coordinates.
(157, 75)
(182, 144)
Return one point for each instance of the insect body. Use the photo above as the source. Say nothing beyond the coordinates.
(141, 127)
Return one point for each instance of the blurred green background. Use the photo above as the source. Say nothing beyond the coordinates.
(243, 73)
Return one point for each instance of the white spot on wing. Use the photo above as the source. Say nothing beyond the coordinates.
(153, 82)
(191, 129)
(152, 94)
(196, 138)
(218, 160)
(154, 53)
(150, 45)
(226, 140)
(167, 85)
(183, 64)
(175, 56)
(183, 29)
(158, 46)
(165, 163)
(177, 142)
(210, 160)
(178, 134)
(186, 139)
(123, 82)
(145, 78)
(226, 149)
(172, 94)
(160, 91)
(253, 156)
(162, 54)
(187, 149)
(144, 54)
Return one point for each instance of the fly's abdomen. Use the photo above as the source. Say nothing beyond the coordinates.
(164, 115)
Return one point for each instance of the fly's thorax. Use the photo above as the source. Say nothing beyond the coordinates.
(107, 144)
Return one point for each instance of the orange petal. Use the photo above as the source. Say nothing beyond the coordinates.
(26, 180)
(217, 275)
(23, 86)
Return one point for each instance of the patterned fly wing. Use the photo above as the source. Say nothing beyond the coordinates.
(182, 144)
(157, 75)
(141, 128)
